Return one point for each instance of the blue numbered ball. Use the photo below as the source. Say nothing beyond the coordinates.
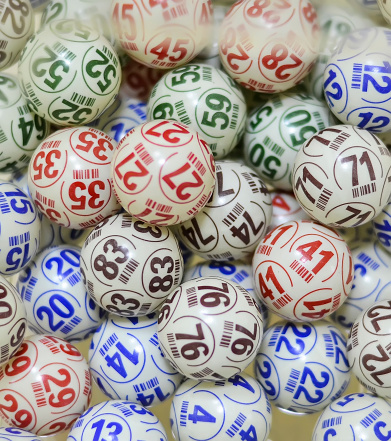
(382, 227)
(356, 81)
(127, 363)
(19, 229)
(117, 420)
(303, 366)
(354, 417)
(220, 410)
(14, 434)
(372, 282)
(56, 300)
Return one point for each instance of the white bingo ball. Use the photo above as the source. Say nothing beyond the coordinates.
(54, 295)
(14, 434)
(382, 227)
(45, 386)
(385, 9)
(277, 129)
(356, 81)
(210, 328)
(127, 364)
(169, 158)
(369, 348)
(20, 229)
(21, 130)
(17, 26)
(162, 34)
(285, 209)
(342, 176)
(269, 46)
(69, 73)
(70, 177)
(356, 416)
(303, 271)
(371, 282)
(220, 410)
(117, 420)
(303, 366)
(204, 98)
(234, 219)
(130, 267)
(12, 320)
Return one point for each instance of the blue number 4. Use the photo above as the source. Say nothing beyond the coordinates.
(200, 414)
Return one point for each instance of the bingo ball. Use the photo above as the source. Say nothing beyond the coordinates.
(356, 80)
(303, 271)
(269, 46)
(130, 267)
(45, 387)
(117, 420)
(127, 364)
(210, 328)
(205, 99)
(69, 177)
(356, 416)
(54, 295)
(369, 348)
(69, 73)
(385, 9)
(303, 367)
(12, 320)
(382, 227)
(20, 229)
(276, 130)
(162, 34)
(14, 434)
(16, 27)
(234, 219)
(371, 282)
(220, 410)
(342, 176)
(21, 130)
(170, 158)
(285, 209)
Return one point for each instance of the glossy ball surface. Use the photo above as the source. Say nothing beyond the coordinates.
(205, 99)
(369, 348)
(210, 328)
(385, 9)
(303, 366)
(285, 209)
(234, 219)
(69, 73)
(45, 386)
(163, 173)
(127, 364)
(303, 271)
(269, 46)
(129, 267)
(14, 434)
(382, 227)
(123, 418)
(221, 409)
(342, 176)
(69, 177)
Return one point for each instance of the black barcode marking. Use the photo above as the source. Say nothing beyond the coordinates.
(235, 213)
(324, 199)
(90, 289)
(354, 334)
(82, 100)
(236, 425)
(192, 299)
(223, 256)
(143, 154)
(126, 221)
(201, 374)
(384, 151)
(364, 189)
(93, 235)
(4, 353)
(227, 334)
(292, 381)
(368, 261)
(141, 387)
(251, 182)
(339, 140)
(109, 342)
(144, 308)
(129, 269)
(3, 43)
(171, 343)
(302, 271)
(182, 114)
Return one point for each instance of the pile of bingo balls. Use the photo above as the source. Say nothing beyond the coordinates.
(202, 191)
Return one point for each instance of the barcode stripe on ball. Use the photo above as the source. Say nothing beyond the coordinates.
(123, 409)
(50, 345)
(109, 342)
(183, 413)
(150, 384)
(236, 425)
(87, 386)
(39, 394)
(227, 334)
(4, 206)
(274, 337)
(371, 418)
(330, 422)
(292, 381)
(71, 325)
(129, 269)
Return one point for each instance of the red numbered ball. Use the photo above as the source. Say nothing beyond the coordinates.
(269, 46)
(45, 387)
(163, 173)
(69, 177)
(162, 33)
(303, 271)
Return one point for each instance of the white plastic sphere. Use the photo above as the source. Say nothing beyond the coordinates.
(69, 73)
(285, 209)
(369, 348)
(205, 99)
(303, 366)
(127, 363)
(163, 173)
(385, 9)
(45, 386)
(210, 328)
(70, 177)
(234, 219)
(382, 227)
(303, 271)
(15, 434)
(130, 267)
(220, 410)
(342, 176)
(269, 46)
